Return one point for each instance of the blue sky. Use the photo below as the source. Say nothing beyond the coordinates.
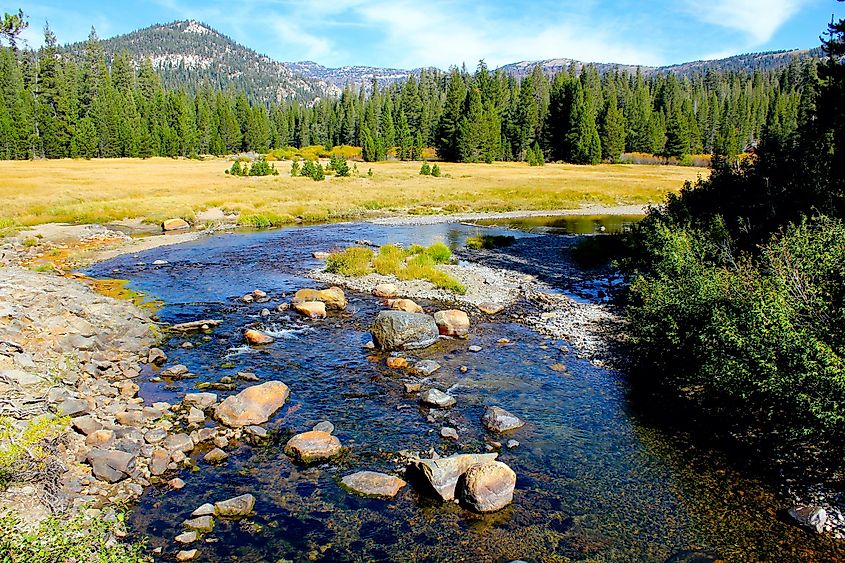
(413, 33)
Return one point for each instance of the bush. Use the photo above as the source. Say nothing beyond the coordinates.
(26, 454)
(339, 165)
(263, 168)
(425, 169)
(294, 169)
(756, 340)
(353, 261)
(435, 171)
(439, 252)
(63, 539)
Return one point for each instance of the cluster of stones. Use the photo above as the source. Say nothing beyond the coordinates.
(202, 521)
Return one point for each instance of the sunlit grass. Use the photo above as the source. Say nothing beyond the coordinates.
(97, 191)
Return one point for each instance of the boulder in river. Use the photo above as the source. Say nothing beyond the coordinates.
(257, 338)
(333, 297)
(397, 362)
(156, 357)
(452, 322)
(438, 399)
(175, 224)
(236, 507)
(426, 367)
(398, 330)
(202, 401)
(439, 477)
(372, 484)
(313, 446)
(497, 419)
(253, 405)
(809, 516)
(385, 290)
(311, 309)
(406, 305)
(487, 487)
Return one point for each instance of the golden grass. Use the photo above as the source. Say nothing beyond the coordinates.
(97, 191)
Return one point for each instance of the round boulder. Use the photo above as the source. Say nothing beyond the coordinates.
(385, 290)
(438, 399)
(313, 446)
(487, 487)
(406, 305)
(398, 330)
(175, 225)
(256, 337)
(311, 309)
(452, 322)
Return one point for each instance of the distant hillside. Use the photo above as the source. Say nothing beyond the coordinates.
(354, 75)
(188, 53)
(748, 63)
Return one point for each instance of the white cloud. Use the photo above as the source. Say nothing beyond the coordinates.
(759, 20)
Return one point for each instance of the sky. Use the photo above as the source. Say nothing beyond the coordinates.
(441, 33)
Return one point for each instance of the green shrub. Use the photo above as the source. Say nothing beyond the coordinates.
(756, 339)
(66, 539)
(425, 169)
(389, 260)
(355, 261)
(435, 171)
(339, 165)
(439, 252)
(263, 168)
(25, 453)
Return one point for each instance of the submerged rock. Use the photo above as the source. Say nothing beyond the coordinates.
(236, 507)
(487, 487)
(253, 405)
(397, 362)
(200, 524)
(372, 484)
(257, 338)
(426, 367)
(452, 322)
(439, 477)
(437, 398)
(324, 426)
(398, 330)
(497, 419)
(809, 516)
(313, 446)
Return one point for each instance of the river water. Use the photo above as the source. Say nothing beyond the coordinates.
(595, 482)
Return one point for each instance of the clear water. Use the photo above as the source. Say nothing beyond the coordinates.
(566, 224)
(595, 482)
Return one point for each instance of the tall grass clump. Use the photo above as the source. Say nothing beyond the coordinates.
(355, 261)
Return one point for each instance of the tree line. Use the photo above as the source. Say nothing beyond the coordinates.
(58, 105)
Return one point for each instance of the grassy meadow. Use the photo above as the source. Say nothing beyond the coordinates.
(99, 191)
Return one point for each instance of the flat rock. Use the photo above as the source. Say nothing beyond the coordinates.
(490, 308)
(73, 407)
(159, 461)
(398, 330)
(178, 370)
(86, 424)
(253, 405)
(439, 477)
(497, 419)
(187, 537)
(452, 322)
(187, 555)
(426, 367)
(179, 443)
(176, 224)
(324, 426)
(111, 465)
(311, 309)
(216, 456)
(487, 487)
(449, 433)
(156, 357)
(202, 401)
(206, 509)
(372, 484)
(313, 446)
(200, 524)
(236, 507)
(437, 398)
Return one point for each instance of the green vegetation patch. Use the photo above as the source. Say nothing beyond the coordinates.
(415, 262)
(487, 242)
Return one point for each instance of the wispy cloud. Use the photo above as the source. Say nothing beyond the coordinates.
(758, 20)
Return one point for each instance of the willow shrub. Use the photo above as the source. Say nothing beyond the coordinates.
(759, 339)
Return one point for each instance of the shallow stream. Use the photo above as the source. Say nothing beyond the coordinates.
(594, 482)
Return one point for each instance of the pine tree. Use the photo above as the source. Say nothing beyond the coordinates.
(612, 131)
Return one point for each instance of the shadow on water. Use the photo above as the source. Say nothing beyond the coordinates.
(594, 483)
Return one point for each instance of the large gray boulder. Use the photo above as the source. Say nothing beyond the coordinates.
(439, 477)
(399, 330)
(497, 419)
(111, 465)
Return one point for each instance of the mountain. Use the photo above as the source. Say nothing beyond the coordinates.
(354, 75)
(740, 63)
(189, 53)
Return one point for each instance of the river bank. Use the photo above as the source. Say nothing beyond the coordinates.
(519, 277)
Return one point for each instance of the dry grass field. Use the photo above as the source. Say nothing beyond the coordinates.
(98, 191)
